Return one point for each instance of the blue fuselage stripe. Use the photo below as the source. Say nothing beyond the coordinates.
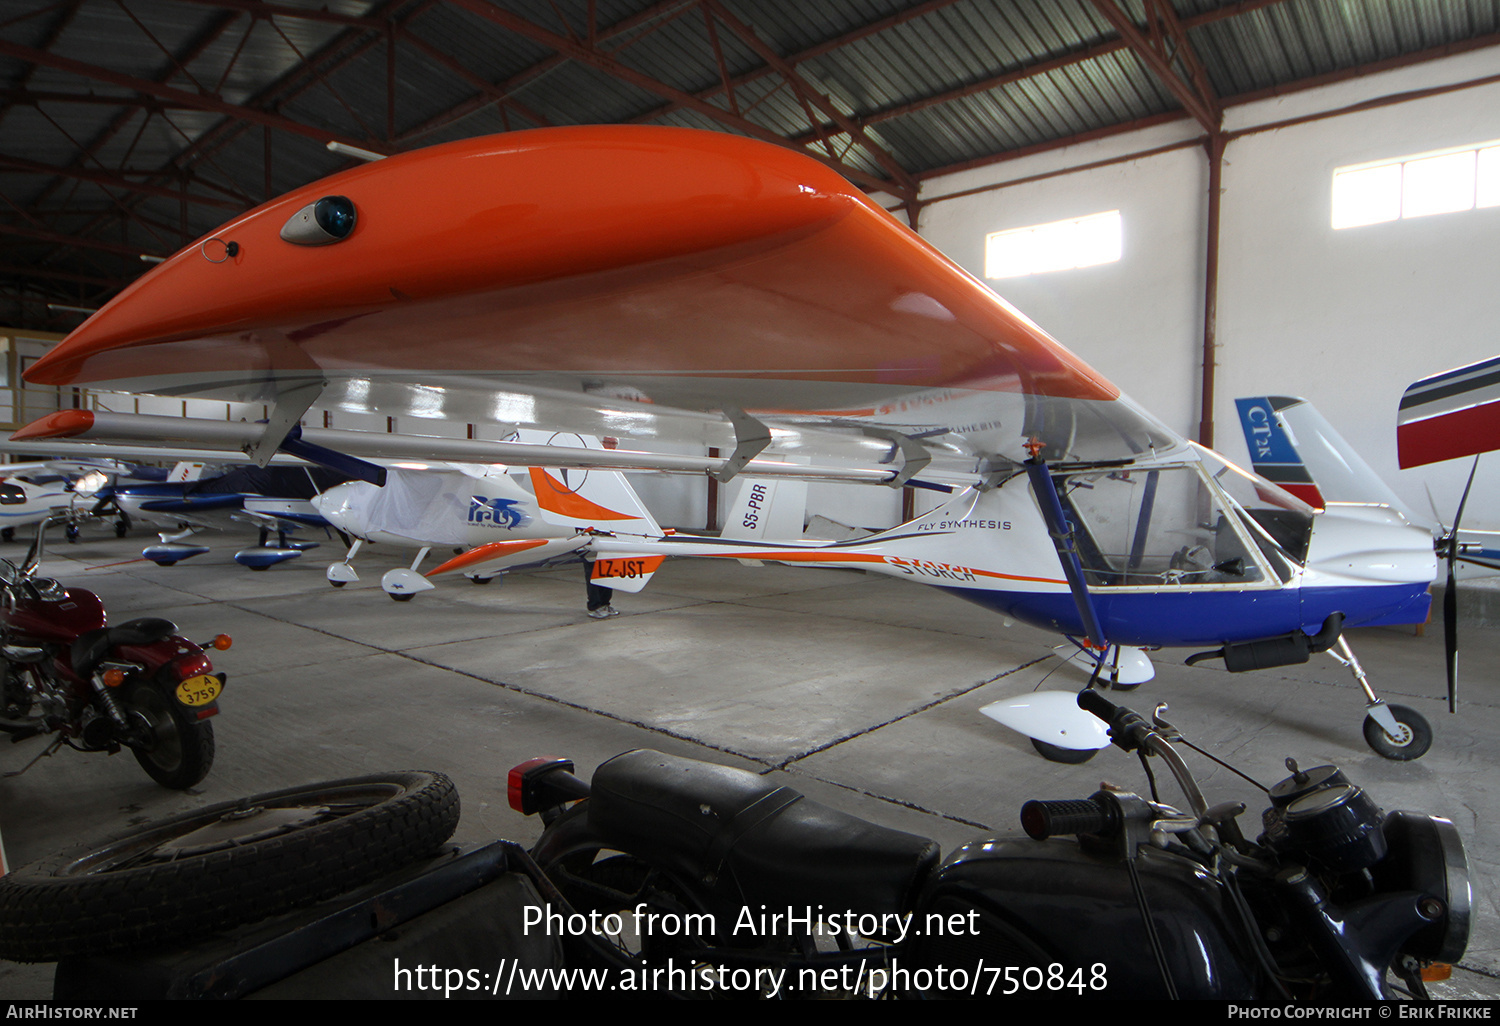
(1190, 618)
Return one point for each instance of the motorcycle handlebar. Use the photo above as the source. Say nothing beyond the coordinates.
(1129, 731)
(1042, 818)
(1126, 728)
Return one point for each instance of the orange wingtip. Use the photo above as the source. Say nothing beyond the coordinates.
(63, 424)
(483, 554)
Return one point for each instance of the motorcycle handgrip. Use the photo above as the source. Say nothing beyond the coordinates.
(1124, 725)
(1042, 819)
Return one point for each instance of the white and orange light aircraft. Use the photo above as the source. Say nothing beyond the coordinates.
(654, 283)
(520, 516)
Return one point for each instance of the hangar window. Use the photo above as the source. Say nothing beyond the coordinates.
(1428, 183)
(1058, 246)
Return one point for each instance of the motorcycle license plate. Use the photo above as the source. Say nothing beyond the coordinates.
(199, 690)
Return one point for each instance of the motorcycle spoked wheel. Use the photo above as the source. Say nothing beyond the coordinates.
(176, 750)
(223, 866)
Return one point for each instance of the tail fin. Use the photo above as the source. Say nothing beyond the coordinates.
(1293, 445)
(600, 499)
(767, 510)
(186, 471)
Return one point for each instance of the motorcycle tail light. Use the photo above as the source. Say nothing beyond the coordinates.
(113, 678)
(523, 784)
(189, 665)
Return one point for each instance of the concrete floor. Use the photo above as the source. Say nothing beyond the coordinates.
(863, 691)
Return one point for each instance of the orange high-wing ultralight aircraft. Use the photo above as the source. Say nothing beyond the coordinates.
(669, 283)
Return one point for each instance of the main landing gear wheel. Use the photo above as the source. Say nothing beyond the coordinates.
(224, 865)
(1054, 753)
(402, 598)
(1412, 742)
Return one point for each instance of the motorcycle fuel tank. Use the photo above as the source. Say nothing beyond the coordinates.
(1047, 919)
(57, 620)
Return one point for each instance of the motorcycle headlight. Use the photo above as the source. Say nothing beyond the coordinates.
(1426, 855)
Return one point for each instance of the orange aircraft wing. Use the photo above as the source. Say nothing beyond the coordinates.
(631, 268)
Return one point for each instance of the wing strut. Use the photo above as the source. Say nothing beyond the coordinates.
(914, 455)
(750, 437)
(358, 469)
(1045, 490)
(285, 413)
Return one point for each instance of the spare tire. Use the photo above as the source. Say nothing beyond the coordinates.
(223, 865)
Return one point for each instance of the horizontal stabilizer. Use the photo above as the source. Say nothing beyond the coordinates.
(625, 574)
(1449, 415)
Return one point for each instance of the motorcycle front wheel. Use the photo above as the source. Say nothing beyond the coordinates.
(176, 750)
(222, 866)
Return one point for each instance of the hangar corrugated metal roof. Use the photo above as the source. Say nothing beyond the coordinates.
(133, 126)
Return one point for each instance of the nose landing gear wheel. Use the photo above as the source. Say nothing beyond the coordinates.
(1413, 738)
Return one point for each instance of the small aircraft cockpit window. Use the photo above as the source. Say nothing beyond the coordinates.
(1279, 517)
(11, 494)
(1155, 527)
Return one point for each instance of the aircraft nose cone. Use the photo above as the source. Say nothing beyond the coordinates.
(338, 506)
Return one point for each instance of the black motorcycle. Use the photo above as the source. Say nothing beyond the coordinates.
(667, 876)
(688, 864)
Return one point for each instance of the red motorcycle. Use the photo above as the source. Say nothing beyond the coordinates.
(64, 671)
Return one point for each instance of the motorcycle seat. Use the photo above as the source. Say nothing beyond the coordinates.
(90, 648)
(753, 842)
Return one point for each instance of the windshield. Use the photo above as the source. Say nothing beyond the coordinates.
(1248, 489)
(1282, 519)
(1156, 526)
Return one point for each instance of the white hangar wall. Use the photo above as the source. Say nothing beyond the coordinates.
(1346, 318)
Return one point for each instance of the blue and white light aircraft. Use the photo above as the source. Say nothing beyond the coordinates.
(743, 297)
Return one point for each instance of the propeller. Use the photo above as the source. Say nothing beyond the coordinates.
(1448, 546)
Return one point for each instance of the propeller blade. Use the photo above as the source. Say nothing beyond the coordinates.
(1436, 516)
(1463, 500)
(1450, 631)
(1450, 597)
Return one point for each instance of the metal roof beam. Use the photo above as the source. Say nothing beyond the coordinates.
(33, 271)
(815, 97)
(61, 239)
(1162, 47)
(601, 61)
(176, 96)
(655, 15)
(258, 9)
(114, 181)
